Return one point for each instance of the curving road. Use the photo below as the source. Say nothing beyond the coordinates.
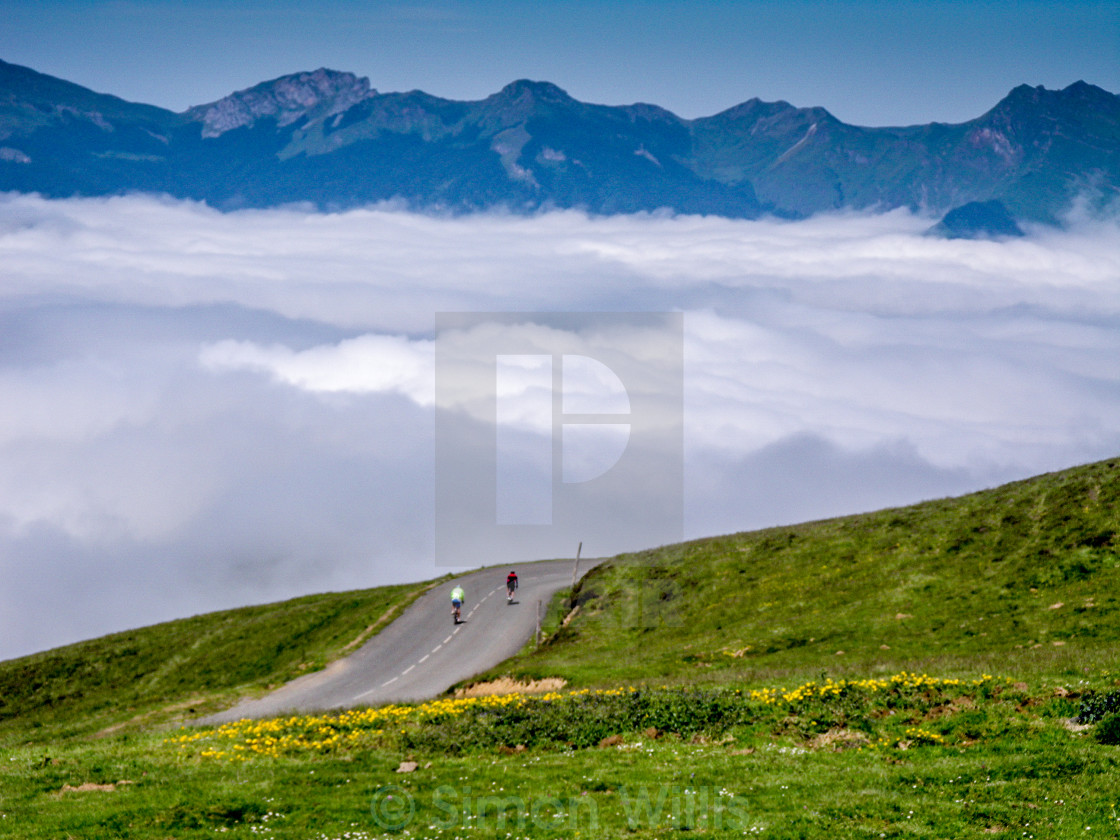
(423, 653)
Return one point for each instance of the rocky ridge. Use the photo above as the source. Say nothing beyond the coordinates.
(316, 95)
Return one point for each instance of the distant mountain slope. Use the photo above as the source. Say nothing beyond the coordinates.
(977, 220)
(329, 138)
(1033, 151)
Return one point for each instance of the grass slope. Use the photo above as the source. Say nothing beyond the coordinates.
(1024, 578)
(196, 664)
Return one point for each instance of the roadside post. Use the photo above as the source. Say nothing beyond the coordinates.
(575, 577)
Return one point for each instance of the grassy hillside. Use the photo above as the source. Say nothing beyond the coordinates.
(193, 664)
(761, 684)
(1023, 578)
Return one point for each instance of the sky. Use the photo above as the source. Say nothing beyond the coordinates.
(869, 62)
(202, 410)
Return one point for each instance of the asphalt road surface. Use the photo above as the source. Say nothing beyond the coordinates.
(423, 653)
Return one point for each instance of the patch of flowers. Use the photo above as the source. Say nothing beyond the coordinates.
(273, 737)
(917, 735)
(588, 717)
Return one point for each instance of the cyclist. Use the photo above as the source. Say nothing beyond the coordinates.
(456, 602)
(511, 585)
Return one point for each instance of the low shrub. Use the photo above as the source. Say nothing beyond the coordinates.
(1108, 731)
(1096, 707)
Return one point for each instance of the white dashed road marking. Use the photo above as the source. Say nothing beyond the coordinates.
(364, 693)
(426, 656)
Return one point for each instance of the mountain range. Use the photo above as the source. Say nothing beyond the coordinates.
(328, 139)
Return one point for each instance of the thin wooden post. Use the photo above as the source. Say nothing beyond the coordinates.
(538, 623)
(575, 577)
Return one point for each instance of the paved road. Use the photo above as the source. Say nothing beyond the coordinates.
(422, 653)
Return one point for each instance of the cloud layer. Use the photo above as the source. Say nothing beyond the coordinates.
(200, 410)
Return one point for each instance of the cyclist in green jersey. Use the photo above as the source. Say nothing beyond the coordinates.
(456, 602)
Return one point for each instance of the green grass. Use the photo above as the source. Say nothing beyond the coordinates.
(1022, 579)
(667, 727)
(186, 667)
(919, 759)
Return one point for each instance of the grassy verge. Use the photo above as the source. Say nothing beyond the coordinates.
(906, 756)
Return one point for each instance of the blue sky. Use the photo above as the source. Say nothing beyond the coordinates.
(870, 62)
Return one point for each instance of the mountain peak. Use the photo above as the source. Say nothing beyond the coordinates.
(519, 101)
(754, 108)
(1080, 94)
(1083, 91)
(317, 94)
(524, 94)
(978, 220)
(526, 90)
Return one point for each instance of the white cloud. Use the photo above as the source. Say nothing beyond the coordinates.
(201, 409)
(369, 363)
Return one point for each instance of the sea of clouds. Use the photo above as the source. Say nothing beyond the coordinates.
(201, 410)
